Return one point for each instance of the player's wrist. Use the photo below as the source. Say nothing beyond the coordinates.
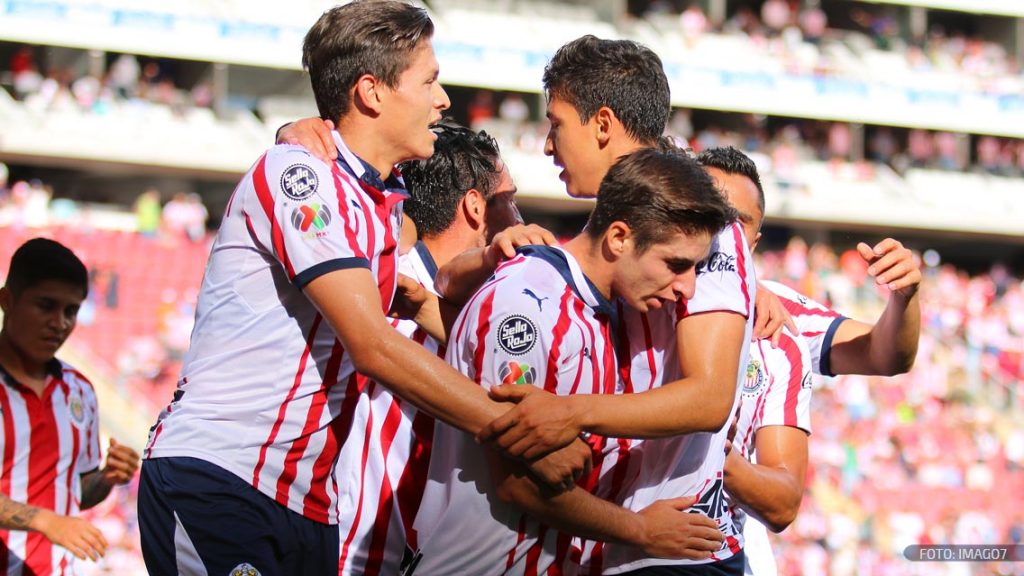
(40, 520)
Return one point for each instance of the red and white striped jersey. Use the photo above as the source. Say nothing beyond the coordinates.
(384, 469)
(815, 323)
(267, 392)
(689, 465)
(776, 391)
(539, 321)
(48, 442)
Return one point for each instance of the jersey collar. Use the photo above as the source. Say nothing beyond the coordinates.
(570, 270)
(426, 258)
(370, 177)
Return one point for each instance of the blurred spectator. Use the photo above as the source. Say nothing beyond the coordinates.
(147, 213)
(693, 24)
(513, 108)
(123, 76)
(776, 15)
(481, 108)
(25, 74)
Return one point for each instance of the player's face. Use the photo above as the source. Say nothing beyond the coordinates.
(663, 273)
(742, 194)
(574, 148)
(502, 210)
(414, 106)
(39, 319)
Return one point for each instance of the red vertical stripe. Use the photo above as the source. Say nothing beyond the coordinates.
(533, 554)
(414, 480)
(362, 485)
(266, 198)
(483, 324)
(510, 561)
(351, 227)
(42, 471)
(338, 434)
(298, 448)
(796, 372)
(561, 327)
(741, 265)
(8, 466)
(387, 263)
(284, 405)
(385, 501)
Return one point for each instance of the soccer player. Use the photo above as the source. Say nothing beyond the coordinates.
(774, 419)
(291, 328)
(50, 439)
(546, 320)
(460, 197)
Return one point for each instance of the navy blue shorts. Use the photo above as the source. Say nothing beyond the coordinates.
(197, 518)
(732, 566)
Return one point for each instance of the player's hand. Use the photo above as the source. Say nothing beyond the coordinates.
(81, 538)
(668, 532)
(503, 245)
(560, 470)
(312, 133)
(893, 266)
(770, 316)
(410, 296)
(539, 422)
(121, 465)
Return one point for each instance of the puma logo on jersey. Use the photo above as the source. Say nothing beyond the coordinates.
(540, 301)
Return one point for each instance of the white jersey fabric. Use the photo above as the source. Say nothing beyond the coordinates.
(776, 391)
(384, 469)
(47, 443)
(815, 323)
(539, 321)
(267, 392)
(689, 465)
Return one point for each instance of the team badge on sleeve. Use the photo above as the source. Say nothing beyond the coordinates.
(517, 335)
(299, 182)
(77, 410)
(244, 569)
(754, 379)
(517, 373)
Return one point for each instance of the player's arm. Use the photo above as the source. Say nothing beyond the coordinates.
(349, 300)
(661, 530)
(709, 345)
(121, 465)
(463, 275)
(889, 346)
(772, 489)
(75, 534)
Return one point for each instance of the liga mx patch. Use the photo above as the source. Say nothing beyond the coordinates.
(517, 334)
(311, 216)
(517, 373)
(299, 182)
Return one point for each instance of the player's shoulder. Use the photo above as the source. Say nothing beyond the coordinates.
(74, 377)
(294, 172)
(791, 298)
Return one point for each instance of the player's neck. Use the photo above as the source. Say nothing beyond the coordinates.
(360, 137)
(592, 262)
(27, 372)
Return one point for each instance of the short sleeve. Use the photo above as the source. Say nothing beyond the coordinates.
(815, 322)
(309, 214)
(724, 278)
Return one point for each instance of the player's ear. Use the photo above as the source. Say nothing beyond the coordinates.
(367, 93)
(754, 243)
(618, 239)
(474, 207)
(604, 121)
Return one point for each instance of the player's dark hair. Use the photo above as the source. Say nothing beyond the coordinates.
(732, 161)
(625, 76)
(41, 259)
(659, 193)
(462, 160)
(376, 37)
